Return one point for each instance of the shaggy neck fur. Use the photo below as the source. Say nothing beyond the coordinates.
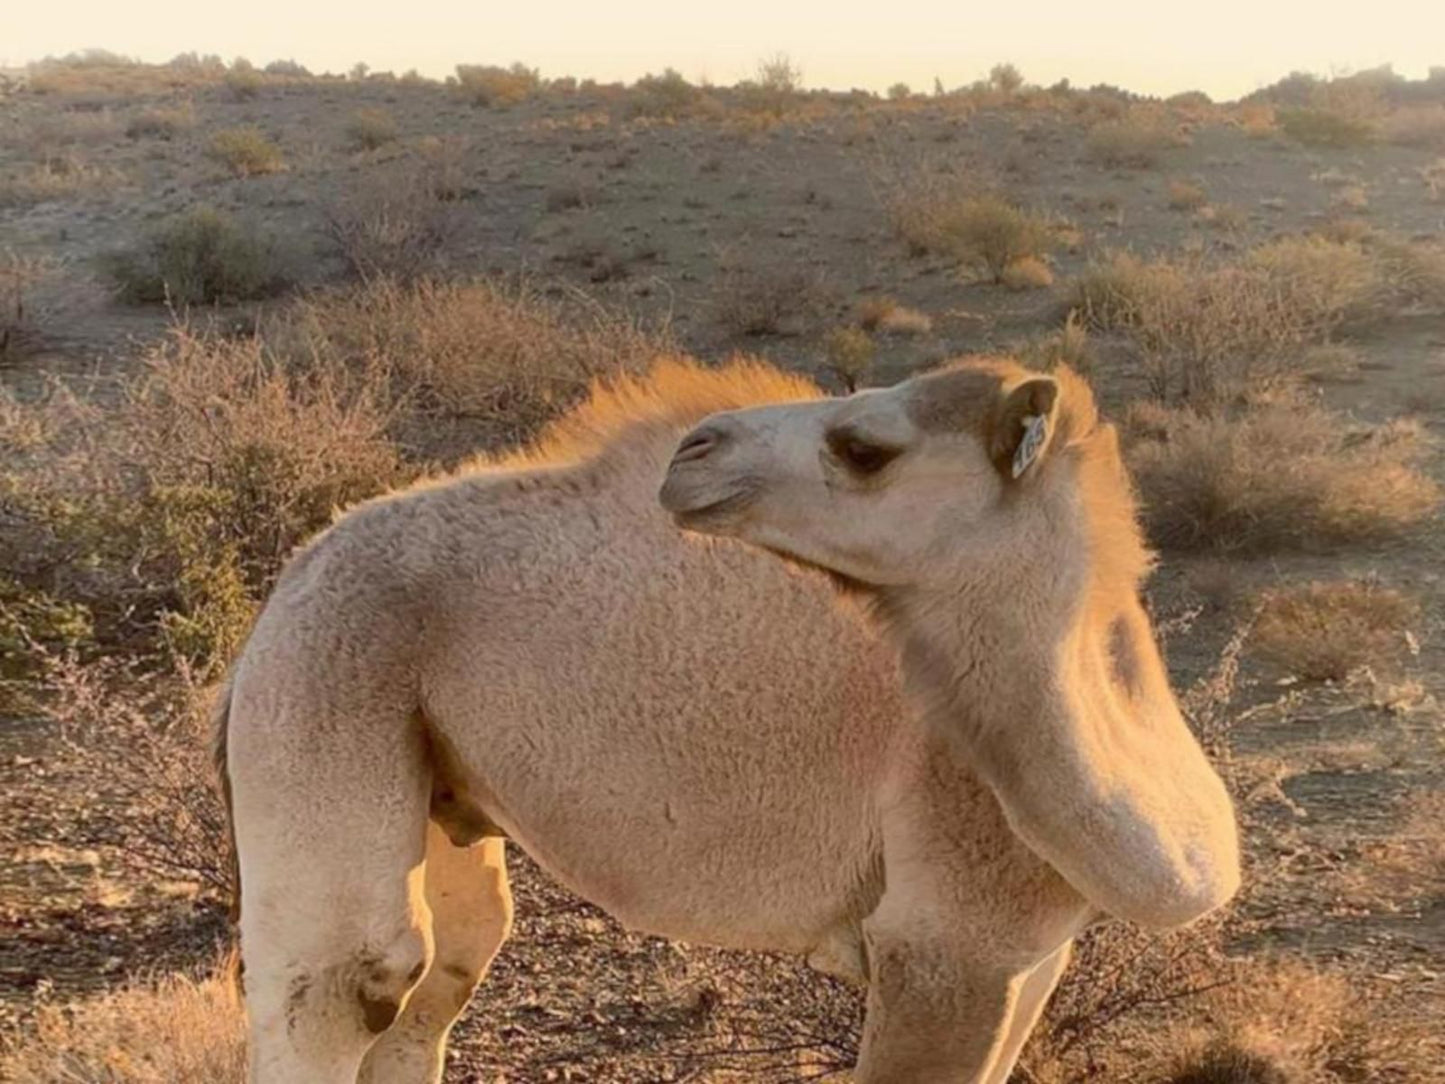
(1048, 676)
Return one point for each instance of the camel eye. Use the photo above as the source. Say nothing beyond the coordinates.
(861, 456)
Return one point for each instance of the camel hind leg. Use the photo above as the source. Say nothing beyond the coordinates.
(471, 910)
(330, 788)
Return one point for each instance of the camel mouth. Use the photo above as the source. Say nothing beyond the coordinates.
(707, 514)
(703, 502)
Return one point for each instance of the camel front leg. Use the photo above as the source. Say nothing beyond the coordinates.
(936, 1014)
(1033, 995)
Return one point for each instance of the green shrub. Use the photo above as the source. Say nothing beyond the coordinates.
(201, 256)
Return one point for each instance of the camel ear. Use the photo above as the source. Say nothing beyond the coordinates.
(1023, 425)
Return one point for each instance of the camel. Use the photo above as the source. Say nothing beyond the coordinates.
(707, 742)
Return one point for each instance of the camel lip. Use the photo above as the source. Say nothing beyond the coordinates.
(698, 506)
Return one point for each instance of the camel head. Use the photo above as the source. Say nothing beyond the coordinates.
(986, 513)
(937, 482)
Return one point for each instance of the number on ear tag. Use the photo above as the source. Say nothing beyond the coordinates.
(1036, 428)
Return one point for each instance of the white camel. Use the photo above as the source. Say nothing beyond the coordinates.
(709, 743)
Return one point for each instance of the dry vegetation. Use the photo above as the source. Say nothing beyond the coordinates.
(1206, 330)
(169, 1030)
(984, 230)
(1136, 141)
(1278, 476)
(246, 152)
(198, 257)
(1324, 631)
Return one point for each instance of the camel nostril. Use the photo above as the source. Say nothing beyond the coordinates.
(697, 445)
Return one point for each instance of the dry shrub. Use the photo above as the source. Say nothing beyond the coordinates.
(442, 169)
(1351, 198)
(1322, 284)
(246, 151)
(886, 316)
(393, 227)
(757, 298)
(1416, 126)
(56, 176)
(668, 96)
(850, 352)
(19, 276)
(1313, 1026)
(369, 129)
(504, 355)
(1137, 141)
(1286, 475)
(168, 1030)
(139, 738)
(164, 516)
(775, 87)
(1413, 272)
(161, 122)
(202, 256)
(1323, 631)
(1324, 127)
(244, 82)
(940, 214)
(1027, 273)
(1186, 196)
(489, 85)
(1222, 1063)
(1206, 331)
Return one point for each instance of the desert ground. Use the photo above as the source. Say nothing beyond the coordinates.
(237, 298)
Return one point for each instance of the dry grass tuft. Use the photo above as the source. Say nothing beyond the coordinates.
(1027, 273)
(55, 176)
(1283, 476)
(1325, 630)
(1223, 1063)
(161, 122)
(886, 316)
(1136, 141)
(1185, 196)
(369, 129)
(201, 256)
(246, 152)
(169, 1030)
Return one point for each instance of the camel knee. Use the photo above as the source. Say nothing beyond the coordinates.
(384, 978)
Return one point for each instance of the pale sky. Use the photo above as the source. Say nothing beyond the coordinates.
(1224, 47)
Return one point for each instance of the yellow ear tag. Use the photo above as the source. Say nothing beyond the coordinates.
(1036, 428)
